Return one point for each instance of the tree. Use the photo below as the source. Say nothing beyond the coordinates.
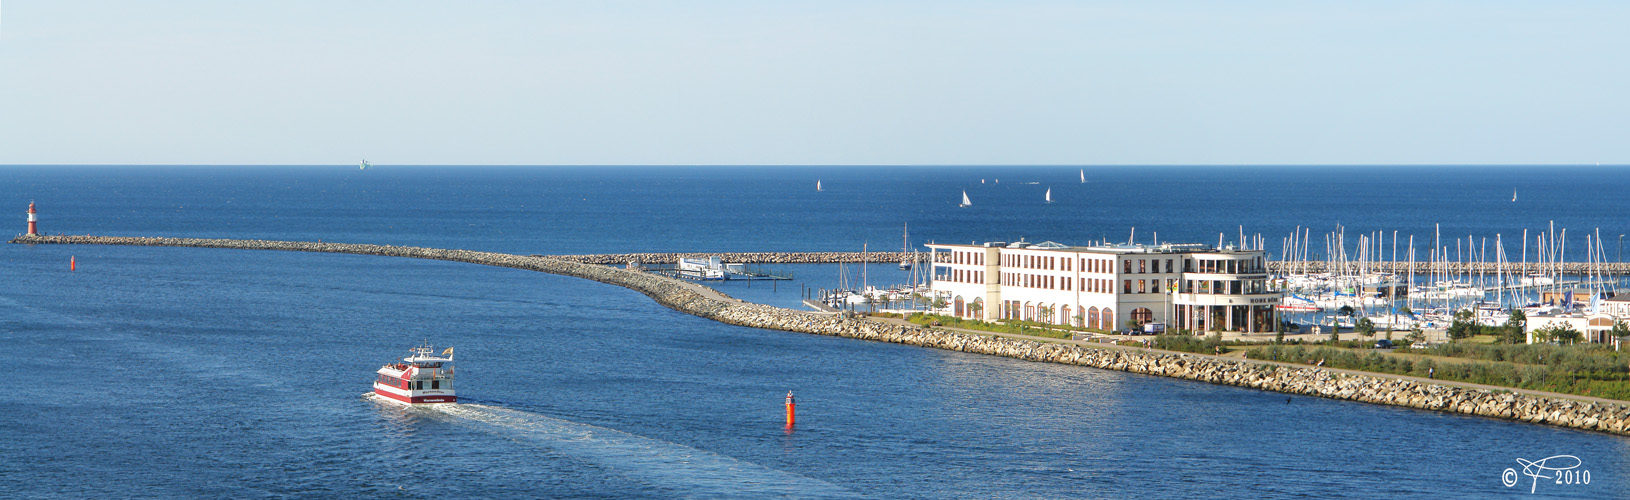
(1415, 335)
(1566, 334)
(1279, 333)
(1365, 327)
(1513, 331)
(1561, 333)
(1345, 311)
(1404, 311)
(1464, 325)
(1132, 324)
(1621, 330)
(1335, 331)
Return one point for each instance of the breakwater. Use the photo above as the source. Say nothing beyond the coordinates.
(693, 299)
(613, 259)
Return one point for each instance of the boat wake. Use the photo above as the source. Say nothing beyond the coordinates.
(679, 471)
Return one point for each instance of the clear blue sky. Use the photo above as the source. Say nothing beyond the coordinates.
(818, 82)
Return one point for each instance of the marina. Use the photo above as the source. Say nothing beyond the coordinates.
(422, 365)
(613, 359)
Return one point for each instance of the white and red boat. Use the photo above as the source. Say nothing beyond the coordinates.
(423, 377)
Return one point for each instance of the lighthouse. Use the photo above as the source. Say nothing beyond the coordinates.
(33, 229)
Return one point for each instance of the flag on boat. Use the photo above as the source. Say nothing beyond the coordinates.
(447, 352)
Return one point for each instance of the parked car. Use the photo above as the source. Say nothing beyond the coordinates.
(1383, 344)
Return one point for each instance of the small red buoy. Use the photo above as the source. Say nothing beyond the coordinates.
(792, 410)
(71, 265)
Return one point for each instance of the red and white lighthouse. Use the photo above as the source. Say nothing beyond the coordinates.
(33, 229)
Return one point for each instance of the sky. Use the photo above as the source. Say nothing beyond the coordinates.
(814, 82)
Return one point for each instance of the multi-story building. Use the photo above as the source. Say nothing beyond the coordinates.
(1191, 287)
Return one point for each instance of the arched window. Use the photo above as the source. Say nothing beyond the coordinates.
(1064, 316)
(1108, 317)
(1092, 318)
(1143, 315)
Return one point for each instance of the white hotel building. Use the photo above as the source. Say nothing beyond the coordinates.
(1191, 287)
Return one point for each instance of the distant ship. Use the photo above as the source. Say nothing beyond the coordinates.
(1049, 195)
(421, 378)
(365, 165)
(1513, 194)
(817, 185)
(965, 202)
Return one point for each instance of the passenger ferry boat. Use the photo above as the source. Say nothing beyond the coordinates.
(423, 377)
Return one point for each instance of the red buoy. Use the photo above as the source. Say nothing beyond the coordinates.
(33, 230)
(792, 410)
(71, 265)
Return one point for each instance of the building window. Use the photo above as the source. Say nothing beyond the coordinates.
(1126, 285)
(1143, 266)
(1168, 266)
(1141, 289)
(1126, 266)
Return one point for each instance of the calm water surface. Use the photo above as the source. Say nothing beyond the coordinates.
(203, 373)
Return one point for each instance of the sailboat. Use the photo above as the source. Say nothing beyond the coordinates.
(905, 249)
(817, 185)
(1513, 194)
(965, 202)
(1083, 176)
(365, 165)
(1049, 195)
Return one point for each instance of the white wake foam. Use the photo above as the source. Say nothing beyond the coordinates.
(678, 470)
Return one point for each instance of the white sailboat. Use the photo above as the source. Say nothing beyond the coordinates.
(1083, 176)
(1513, 194)
(905, 248)
(817, 185)
(365, 165)
(1049, 195)
(965, 202)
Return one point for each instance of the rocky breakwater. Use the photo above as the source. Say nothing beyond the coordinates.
(743, 257)
(694, 299)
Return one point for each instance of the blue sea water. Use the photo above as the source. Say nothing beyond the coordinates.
(207, 373)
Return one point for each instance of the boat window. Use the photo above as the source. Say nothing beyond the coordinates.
(435, 384)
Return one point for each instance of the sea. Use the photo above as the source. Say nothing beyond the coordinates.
(151, 372)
